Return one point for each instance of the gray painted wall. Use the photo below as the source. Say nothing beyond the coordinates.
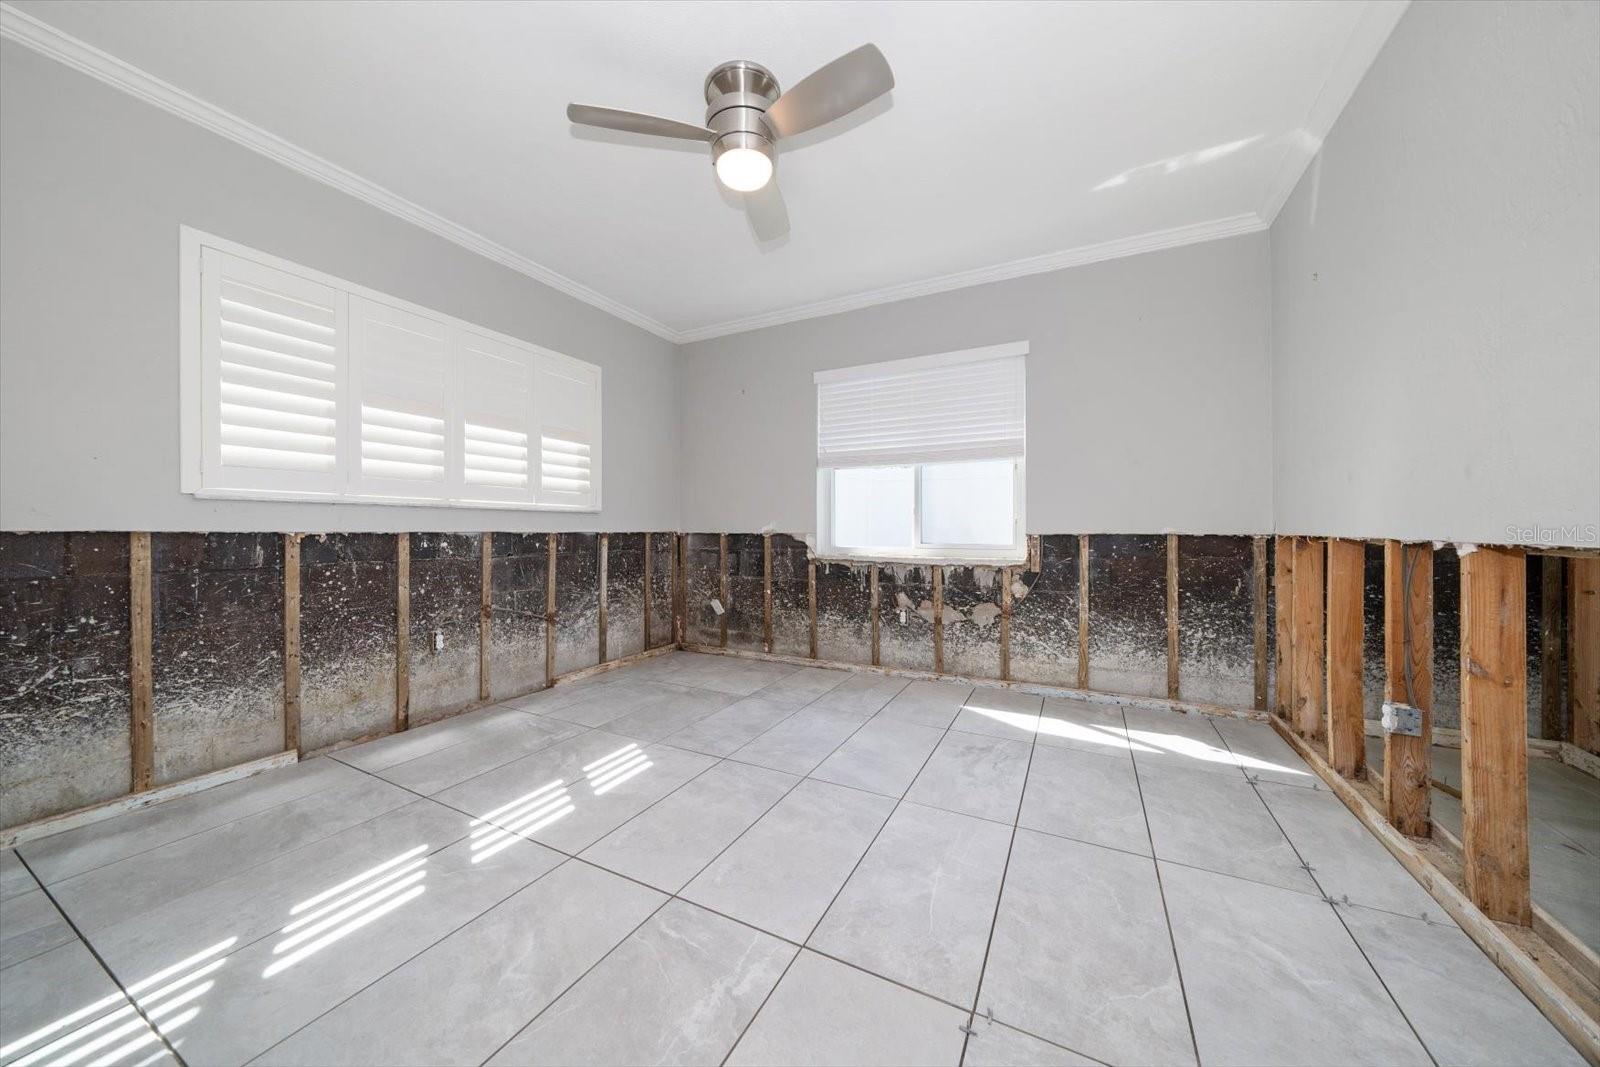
(1148, 395)
(93, 187)
(1436, 288)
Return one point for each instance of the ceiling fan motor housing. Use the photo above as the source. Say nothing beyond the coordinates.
(737, 97)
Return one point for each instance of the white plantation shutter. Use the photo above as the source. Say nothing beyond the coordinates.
(273, 377)
(496, 401)
(568, 405)
(401, 383)
(962, 405)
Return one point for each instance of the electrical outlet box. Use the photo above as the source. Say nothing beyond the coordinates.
(1402, 719)
(438, 640)
(716, 606)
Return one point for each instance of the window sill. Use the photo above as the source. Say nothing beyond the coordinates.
(386, 501)
(1009, 559)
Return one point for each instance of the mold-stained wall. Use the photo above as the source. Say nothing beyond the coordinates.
(702, 585)
(662, 568)
(517, 583)
(1447, 637)
(972, 621)
(1044, 615)
(791, 598)
(1373, 669)
(446, 586)
(1216, 620)
(625, 594)
(216, 650)
(577, 602)
(1128, 614)
(64, 689)
(905, 617)
(745, 591)
(844, 634)
(347, 637)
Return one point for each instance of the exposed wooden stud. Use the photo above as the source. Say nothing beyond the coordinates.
(1583, 655)
(1307, 660)
(873, 622)
(1408, 679)
(1347, 742)
(938, 620)
(402, 632)
(649, 592)
(1258, 575)
(676, 580)
(1172, 616)
(766, 592)
(550, 612)
(605, 566)
(141, 724)
(485, 610)
(1005, 624)
(722, 590)
(1083, 611)
(1283, 625)
(291, 642)
(1494, 741)
(811, 602)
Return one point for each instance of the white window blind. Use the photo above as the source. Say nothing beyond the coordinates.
(957, 406)
(297, 385)
(402, 384)
(569, 416)
(497, 419)
(273, 376)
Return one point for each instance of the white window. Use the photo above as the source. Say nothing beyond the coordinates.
(922, 459)
(298, 386)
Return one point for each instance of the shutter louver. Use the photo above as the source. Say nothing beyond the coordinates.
(960, 406)
(274, 376)
(402, 368)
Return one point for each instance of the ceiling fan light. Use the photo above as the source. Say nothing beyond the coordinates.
(744, 170)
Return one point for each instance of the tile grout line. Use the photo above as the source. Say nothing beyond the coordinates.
(1005, 869)
(854, 867)
(1311, 873)
(567, 857)
(184, 837)
(1161, 889)
(100, 961)
(675, 894)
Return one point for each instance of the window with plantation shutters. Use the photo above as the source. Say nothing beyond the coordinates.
(299, 386)
(922, 458)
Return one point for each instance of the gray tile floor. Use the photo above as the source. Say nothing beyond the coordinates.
(703, 859)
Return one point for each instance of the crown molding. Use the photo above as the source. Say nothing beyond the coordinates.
(45, 39)
(1372, 30)
(1175, 237)
(1378, 20)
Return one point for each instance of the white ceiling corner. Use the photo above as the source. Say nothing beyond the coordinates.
(1141, 127)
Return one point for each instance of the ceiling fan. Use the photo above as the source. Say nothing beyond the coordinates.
(747, 115)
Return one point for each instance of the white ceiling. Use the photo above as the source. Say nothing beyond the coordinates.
(1019, 137)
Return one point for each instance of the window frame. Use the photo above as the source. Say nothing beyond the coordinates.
(196, 393)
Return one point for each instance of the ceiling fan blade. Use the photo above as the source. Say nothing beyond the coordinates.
(610, 118)
(768, 214)
(831, 92)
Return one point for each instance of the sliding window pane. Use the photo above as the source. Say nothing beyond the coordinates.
(872, 507)
(968, 504)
